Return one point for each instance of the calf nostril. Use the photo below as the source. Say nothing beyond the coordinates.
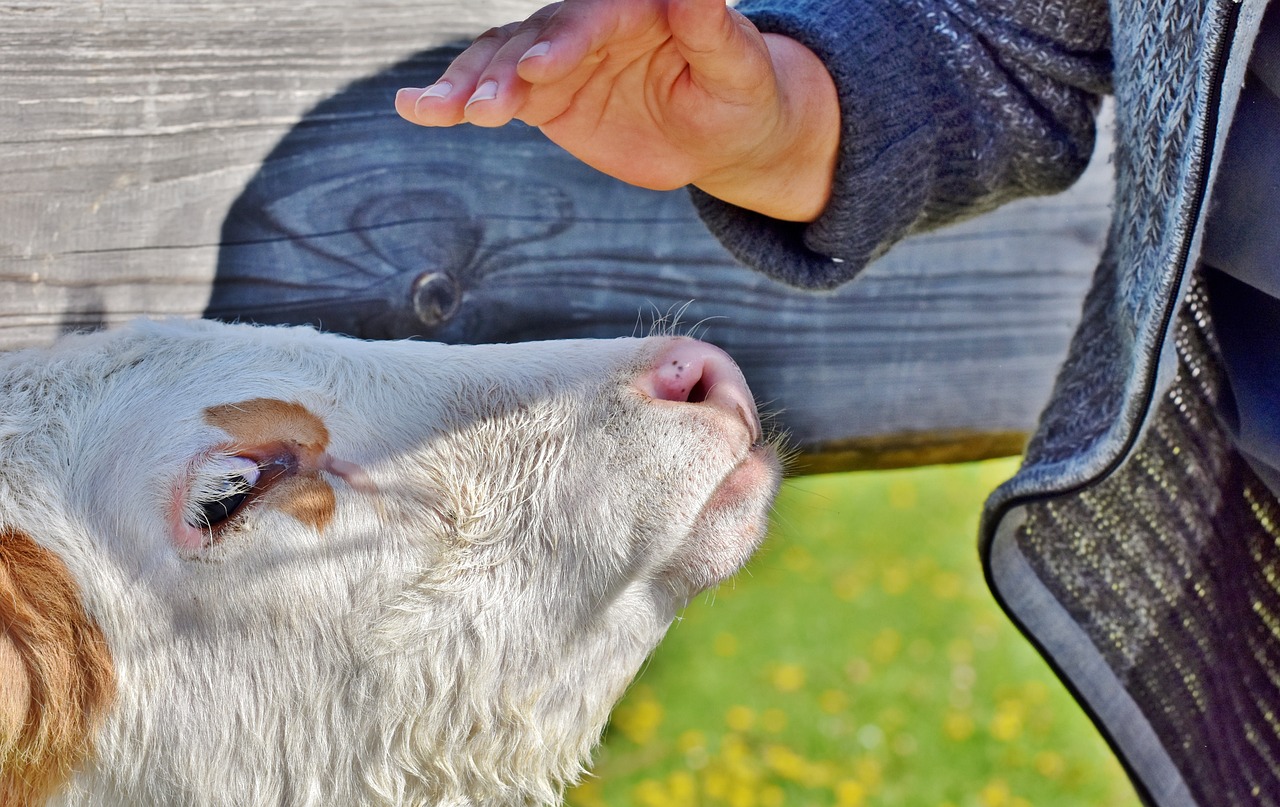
(698, 393)
(679, 376)
(688, 371)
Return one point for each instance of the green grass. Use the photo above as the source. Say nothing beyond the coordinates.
(859, 660)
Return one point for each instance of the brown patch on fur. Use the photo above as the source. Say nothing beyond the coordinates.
(14, 695)
(267, 420)
(55, 669)
(260, 423)
(310, 500)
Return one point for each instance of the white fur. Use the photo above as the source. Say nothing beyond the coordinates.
(454, 636)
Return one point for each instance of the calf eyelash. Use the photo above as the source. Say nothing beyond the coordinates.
(219, 490)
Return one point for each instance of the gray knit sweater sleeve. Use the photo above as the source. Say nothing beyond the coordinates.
(949, 108)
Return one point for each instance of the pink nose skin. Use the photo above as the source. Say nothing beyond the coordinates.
(695, 372)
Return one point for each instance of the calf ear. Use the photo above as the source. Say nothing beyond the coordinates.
(56, 676)
(15, 693)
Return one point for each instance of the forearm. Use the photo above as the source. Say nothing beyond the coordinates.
(942, 116)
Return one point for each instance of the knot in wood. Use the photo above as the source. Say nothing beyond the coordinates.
(436, 298)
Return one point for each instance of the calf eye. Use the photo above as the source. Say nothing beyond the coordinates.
(223, 492)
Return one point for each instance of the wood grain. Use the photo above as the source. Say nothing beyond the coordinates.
(242, 160)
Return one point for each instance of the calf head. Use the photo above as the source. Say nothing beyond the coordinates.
(246, 565)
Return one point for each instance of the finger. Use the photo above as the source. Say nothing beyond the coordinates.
(443, 103)
(499, 92)
(547, 102)
(725, 51)
(428, 106)
(584, 29)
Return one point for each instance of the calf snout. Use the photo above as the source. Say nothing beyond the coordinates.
(691, 372)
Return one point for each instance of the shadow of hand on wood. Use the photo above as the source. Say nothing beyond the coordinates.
(360, 223)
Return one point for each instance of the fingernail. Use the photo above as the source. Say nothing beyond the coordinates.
(440, 89)
(487, 91)
(540, 49)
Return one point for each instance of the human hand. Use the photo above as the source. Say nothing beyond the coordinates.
(658, 93)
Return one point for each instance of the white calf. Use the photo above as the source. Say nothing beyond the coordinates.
(265, 566)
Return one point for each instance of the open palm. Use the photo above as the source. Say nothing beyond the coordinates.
(658, 93)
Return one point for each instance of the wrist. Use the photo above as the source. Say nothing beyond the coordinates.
(789, 175)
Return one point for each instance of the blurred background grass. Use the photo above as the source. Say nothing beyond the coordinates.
(858, 660)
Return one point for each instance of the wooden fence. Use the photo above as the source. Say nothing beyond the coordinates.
(242, 160)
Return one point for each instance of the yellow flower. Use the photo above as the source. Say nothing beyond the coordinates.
(868, 771)
(736, 758)
(683, 789)
(833, 701)
(587, 794)
(1050, 764)
(773, 796)
(733, 748)
(850, 793)
(742, 795)
(885, 646)
(785, 762)
(1006, 724)
(773, 720)
(740, 718)
(850, 585)
(691, 740)
(788, 677)
(995, 794)
(650, 793)
(716, 784)
(947, 585)
(818, 775)
(895, 579)
(638, 720)
(958, 726)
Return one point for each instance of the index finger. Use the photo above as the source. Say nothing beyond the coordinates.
(581, 28)
(443, 103)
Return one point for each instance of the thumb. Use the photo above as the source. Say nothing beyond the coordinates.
(724, 50)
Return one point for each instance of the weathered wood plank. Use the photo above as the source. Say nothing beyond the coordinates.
(233, 160)
(127, 129)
